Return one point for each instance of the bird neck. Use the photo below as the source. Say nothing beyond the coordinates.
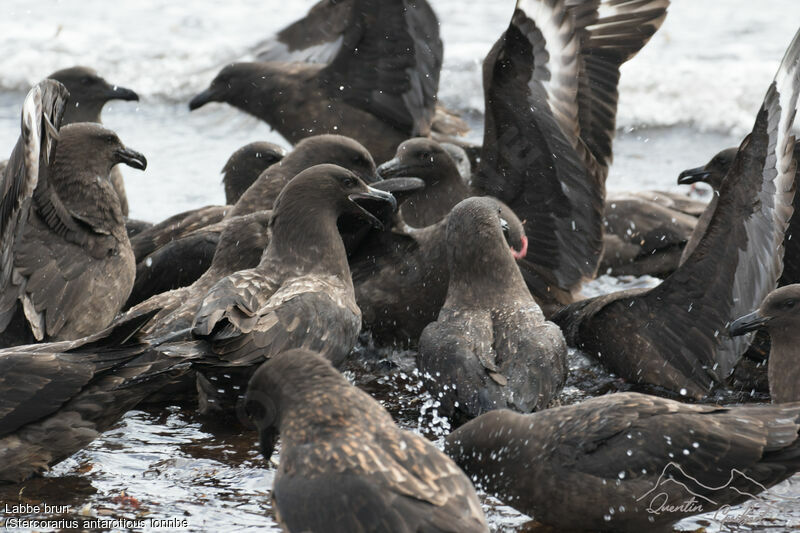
(86, 191)
(783, 369)
(305, 240)
(447, 178)
(483, 272)
(432, 203)
(266, 93)
(85, 112)
(239, 249)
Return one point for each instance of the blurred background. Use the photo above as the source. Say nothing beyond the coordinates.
(694, 89)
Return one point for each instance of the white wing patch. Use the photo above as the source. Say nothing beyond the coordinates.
(760, 265)
(32, 134)
(557, 64)
(322, 53)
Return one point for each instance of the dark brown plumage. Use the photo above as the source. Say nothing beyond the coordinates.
(174, 227)
(181, 262)
(713, 173)
(241, 242)
(550, 113)
(601, 464)
(176, 264)
(444, 186)
(643, 236)
(400, 275)
(318, 38)
(240, 171)
(674, 334)
(400, 279)
(550, 85)
(376, 90)
(88, 93)
(56, 398)
(184, 259)
(317, 150)
(491, 346)
(299, 295)
(315, 38)
(779, 314)
(245, 165)
(345, 466)
(67, 261)
(675, 201)
(175, 252)
(136, 226)
(240, 245)
(644, 232)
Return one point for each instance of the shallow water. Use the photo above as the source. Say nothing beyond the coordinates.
(692, 91)
(162, 463)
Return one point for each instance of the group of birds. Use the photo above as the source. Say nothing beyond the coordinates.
(472, 255)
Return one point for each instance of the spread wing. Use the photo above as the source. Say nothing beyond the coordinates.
(29, 164)
(739, 259)
(533, 158)
(611, 32)
(550, 85)
(315, 38)
(791, 242)
(389, 63)
(36, 269)
(401, 483)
